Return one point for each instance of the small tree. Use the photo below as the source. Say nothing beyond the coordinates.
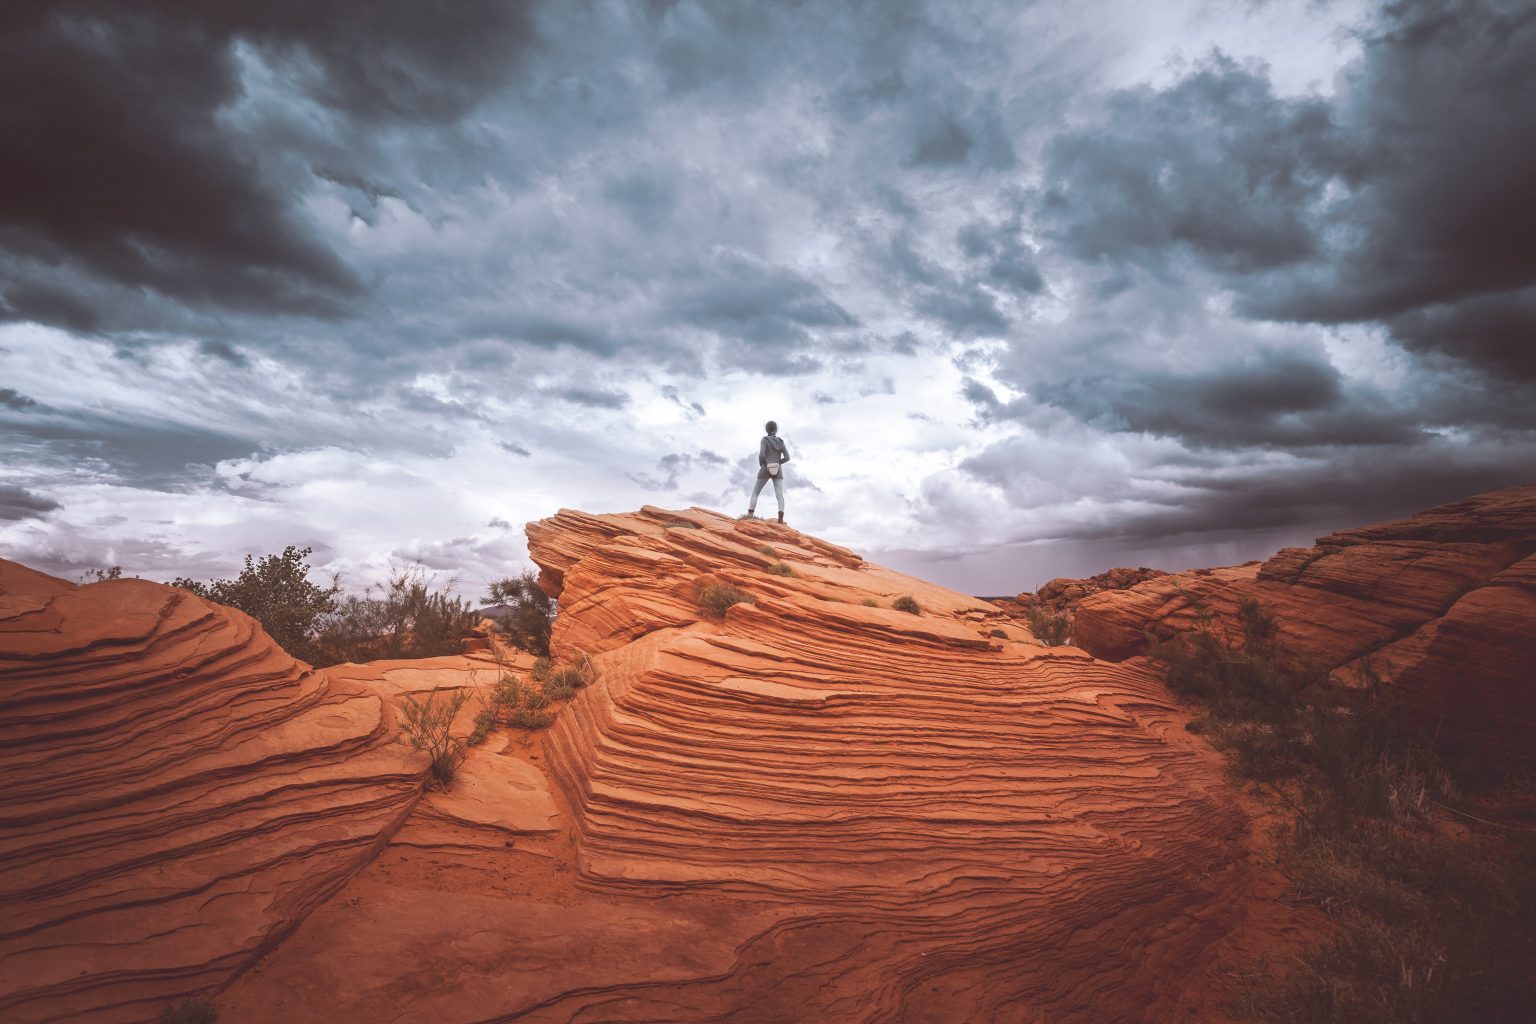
(278, 593)
(532, 613)
(428, 726)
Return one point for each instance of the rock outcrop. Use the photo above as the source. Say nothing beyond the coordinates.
(939, 823)
(1441, 605)
(176, 793)
(810, 807)
(1062, 596)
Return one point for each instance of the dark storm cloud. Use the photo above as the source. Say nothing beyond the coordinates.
(1404, 199)
(592, 398)
(736, 296)
(117, 158)
(223, 350)
(514, 449)
(1216, 163)
(17, 503)
(13, 399)
(154, 455)
(1356, 489)
(958, 304)
(1437, 177)
(1274, 399)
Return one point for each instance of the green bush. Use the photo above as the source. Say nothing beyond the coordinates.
(428, 726)
(195, 1010)
(715, 598)
(542, 667)
(532, 615)
(404, 619)
(277, 592)
(907, 603)
(530, 720)
(781, 569)
(101, 575)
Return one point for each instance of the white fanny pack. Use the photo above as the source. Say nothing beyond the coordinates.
(773, 469)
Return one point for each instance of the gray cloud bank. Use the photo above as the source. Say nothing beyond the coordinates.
(261, 266)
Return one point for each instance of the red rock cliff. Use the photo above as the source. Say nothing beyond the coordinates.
(946, 825)
(176, 793)
(1441, 604)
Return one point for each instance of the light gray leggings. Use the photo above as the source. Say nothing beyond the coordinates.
(778, 490)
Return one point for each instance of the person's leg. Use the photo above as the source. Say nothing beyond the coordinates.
(778, 492)
(752, 505)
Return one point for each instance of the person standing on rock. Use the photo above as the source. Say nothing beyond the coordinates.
(771, 456)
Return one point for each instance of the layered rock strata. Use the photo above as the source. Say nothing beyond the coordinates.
(946, 824)
(176, 793)
(1440, 605)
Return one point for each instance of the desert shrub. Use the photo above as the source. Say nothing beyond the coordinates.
(195, 1010)
(114, 572)
(428, 726)
(555, 688)
(542, 667)
(907, 603)
(870, 602)
(497, 703)
(768, 550)
(679, 524)
(1001, 634)
(406, 618)
(571, 677)
(525, 718)
(536, 700)
(1050, 629)
(277, 592)
(1430, 927)
(781, 569)
(531, 612)
(715, 598)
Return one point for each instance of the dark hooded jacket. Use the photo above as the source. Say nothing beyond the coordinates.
(770, 449)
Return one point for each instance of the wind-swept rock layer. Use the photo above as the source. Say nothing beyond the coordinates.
(813, 808)
(946, 825)
(1440, 605)
(176, 793)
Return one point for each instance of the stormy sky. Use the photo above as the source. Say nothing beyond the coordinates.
(1034, 289)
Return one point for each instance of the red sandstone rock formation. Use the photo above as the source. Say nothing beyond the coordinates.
(176, 793)
(940, 825)
(1441, 605)
(811, 809)
(1062, 596)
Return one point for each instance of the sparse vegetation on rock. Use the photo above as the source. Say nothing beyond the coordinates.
(781, 569)
(715, 598)
(404, 619)
(428, 726)
(907, 603)
(1050, 628)
(1429, 926)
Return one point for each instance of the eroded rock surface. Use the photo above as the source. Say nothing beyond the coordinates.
(177, 794)
(1441, 604)
(944, 824)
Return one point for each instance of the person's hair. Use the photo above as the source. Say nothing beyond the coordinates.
(770, 426)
